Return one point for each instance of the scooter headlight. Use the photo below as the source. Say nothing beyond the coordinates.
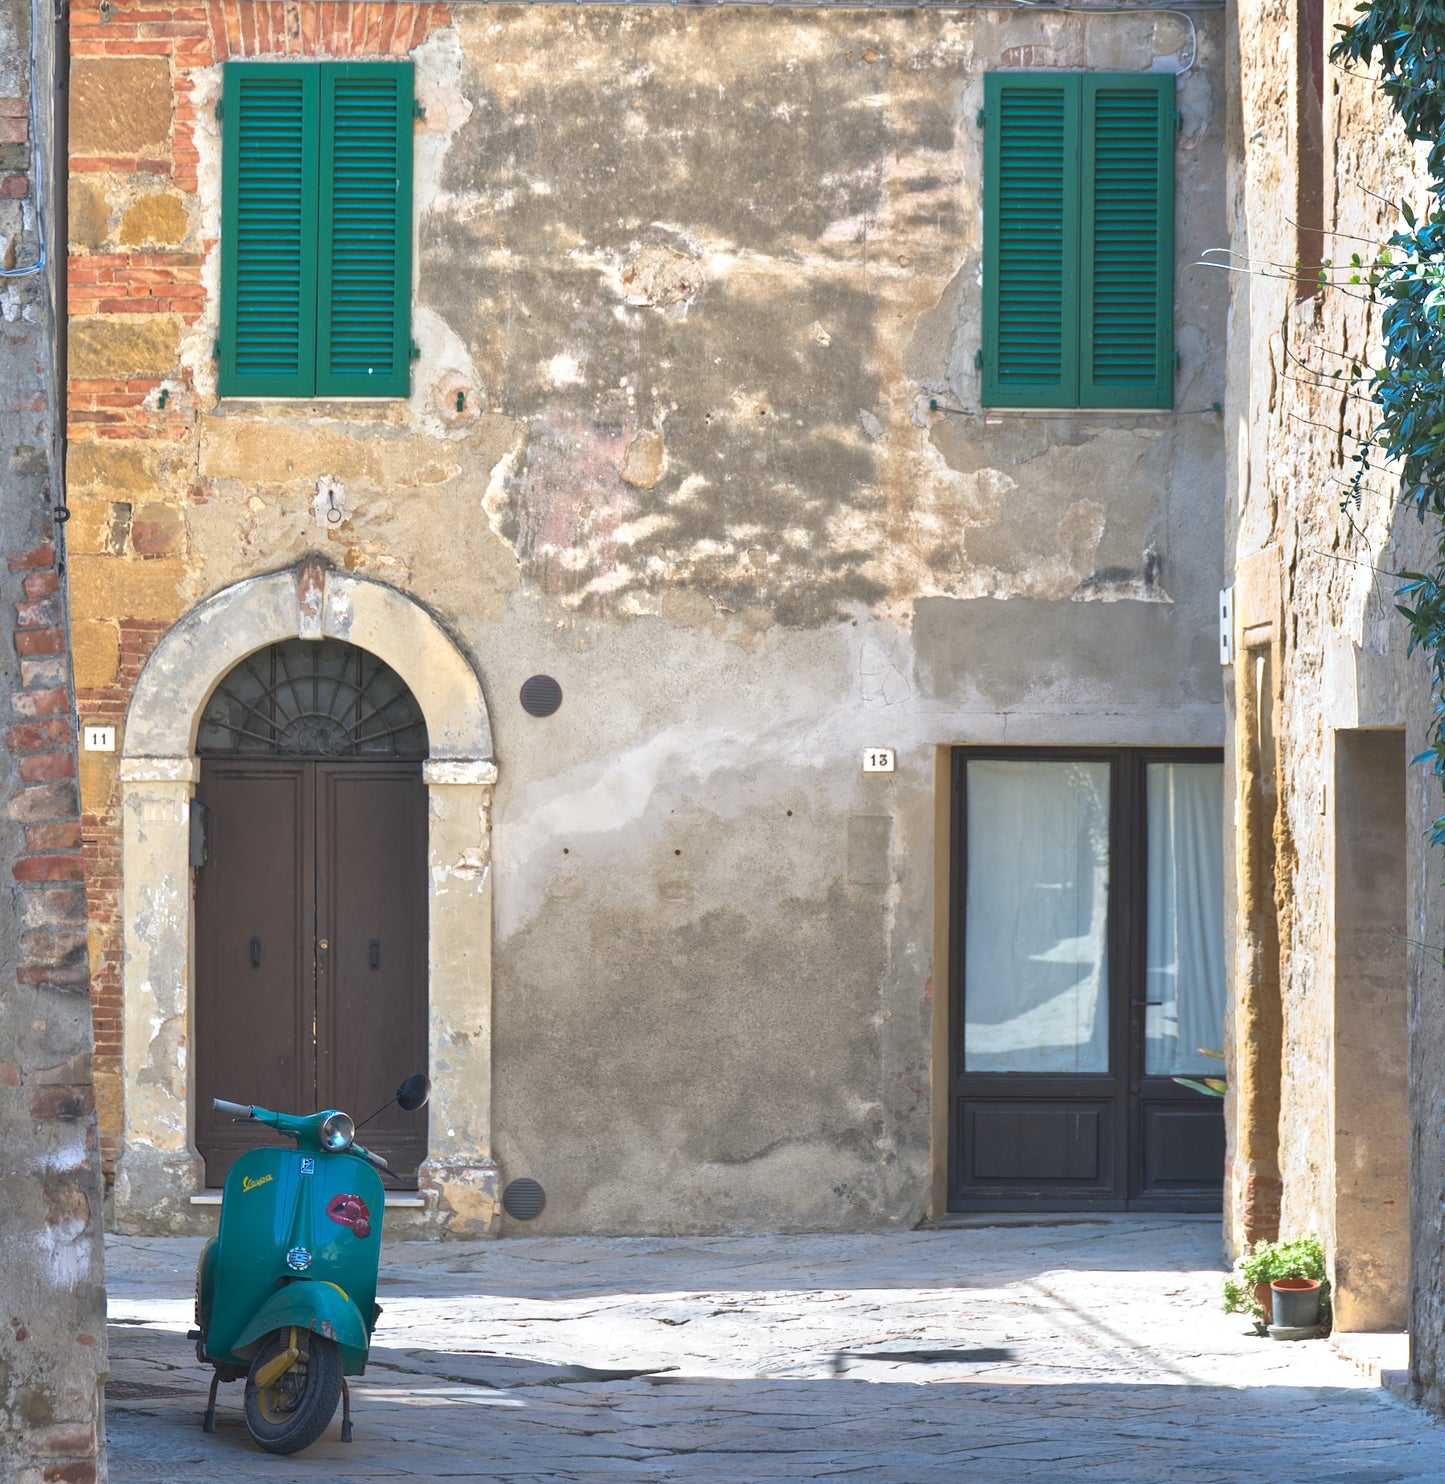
(337, 1132)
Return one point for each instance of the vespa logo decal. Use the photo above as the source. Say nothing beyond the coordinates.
(247, 1183)
(350, 1210)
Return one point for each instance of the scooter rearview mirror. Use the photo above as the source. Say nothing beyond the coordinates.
(414, 1092)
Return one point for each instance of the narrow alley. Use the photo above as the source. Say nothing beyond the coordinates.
(1081, 1348)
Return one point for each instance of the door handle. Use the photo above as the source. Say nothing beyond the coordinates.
(255, 953)
(373, 956)
(1141, 1004)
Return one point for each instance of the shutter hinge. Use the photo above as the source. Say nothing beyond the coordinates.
(982, 114)
(1178, 123)
(1176, 360)
(978, 358)
(215, 350)
(415, 351)
(219, 102)
(418, 109)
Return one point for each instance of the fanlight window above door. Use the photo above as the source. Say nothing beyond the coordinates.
(308, 698)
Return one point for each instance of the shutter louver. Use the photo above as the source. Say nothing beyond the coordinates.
(268, 210)
(1078, 272)
(363, 332)
(1128, 270)
(1031, 247)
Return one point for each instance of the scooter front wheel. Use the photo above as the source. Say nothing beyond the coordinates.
(288, 1412)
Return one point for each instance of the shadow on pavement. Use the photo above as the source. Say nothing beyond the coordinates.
(550, 1426)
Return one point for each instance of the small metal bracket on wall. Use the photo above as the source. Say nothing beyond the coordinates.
(198, 833)
(1226, 626)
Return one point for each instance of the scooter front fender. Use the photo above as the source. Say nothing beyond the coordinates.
(316, 1305)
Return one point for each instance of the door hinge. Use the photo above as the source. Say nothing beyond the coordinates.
(215, 350)
(198, 834)
(1178, 122)
(982, 115)
(219, 102)
(978, 359)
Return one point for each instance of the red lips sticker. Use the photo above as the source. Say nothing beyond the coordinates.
(350, 1210)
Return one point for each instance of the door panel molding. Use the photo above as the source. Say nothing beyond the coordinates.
(255, 906)
(302, 854)
(374, 1018)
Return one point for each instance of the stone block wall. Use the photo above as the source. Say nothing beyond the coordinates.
(1337, 904)
(52, 1298)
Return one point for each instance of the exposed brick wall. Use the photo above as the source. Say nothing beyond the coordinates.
(106, 706)
(52, 1296)
(50, 895)
(135, 289)
(14, 143)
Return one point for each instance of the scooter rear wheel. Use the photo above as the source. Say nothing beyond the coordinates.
(297, 1407)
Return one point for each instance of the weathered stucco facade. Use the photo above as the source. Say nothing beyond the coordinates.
(1336, 1033)
(695, 429)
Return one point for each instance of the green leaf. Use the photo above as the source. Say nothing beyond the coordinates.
(1211, 1087)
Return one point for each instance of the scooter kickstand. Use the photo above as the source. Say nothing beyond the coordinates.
(209, 1424)
(345, 1411)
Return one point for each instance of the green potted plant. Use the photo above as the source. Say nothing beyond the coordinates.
(1247, 1289)
(1211, 1087)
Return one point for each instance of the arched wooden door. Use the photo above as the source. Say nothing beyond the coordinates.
(311, 952)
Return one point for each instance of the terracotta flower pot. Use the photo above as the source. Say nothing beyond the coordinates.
(1295, 1302)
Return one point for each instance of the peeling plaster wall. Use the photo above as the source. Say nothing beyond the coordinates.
(696, 277)
(1314, 593)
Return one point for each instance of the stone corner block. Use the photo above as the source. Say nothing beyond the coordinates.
(119, 105)
(153, 1191)
(463, 1196)
(146, 345)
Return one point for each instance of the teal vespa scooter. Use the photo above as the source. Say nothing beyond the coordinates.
(286, 1293)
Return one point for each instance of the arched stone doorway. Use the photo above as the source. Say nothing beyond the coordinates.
(310, 896)
(159, 1178)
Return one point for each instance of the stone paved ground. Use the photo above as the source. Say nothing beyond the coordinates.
(1092, 1349)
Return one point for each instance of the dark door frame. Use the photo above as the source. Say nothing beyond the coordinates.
(1124, 1097)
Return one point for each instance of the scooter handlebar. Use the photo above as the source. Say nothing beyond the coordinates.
(236, 1110)
(371, 1158)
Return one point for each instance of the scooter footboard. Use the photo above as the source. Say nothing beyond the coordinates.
(316, 1305)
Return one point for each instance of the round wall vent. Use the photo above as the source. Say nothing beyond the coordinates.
(541, 695)
(524, 1199)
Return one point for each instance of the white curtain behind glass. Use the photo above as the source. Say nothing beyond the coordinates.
(1185, 949)
(1036, 914)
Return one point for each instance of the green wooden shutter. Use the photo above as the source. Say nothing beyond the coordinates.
(1031, 239)
(364, 278)
(1127, 300)
(268, 230)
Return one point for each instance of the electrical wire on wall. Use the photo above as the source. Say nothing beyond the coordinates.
(40, 263)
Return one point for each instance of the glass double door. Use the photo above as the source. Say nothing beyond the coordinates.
(1088, 973)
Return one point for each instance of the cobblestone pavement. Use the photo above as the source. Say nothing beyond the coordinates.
(1086, 1349)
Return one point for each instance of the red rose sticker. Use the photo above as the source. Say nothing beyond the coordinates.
(350, 1210)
